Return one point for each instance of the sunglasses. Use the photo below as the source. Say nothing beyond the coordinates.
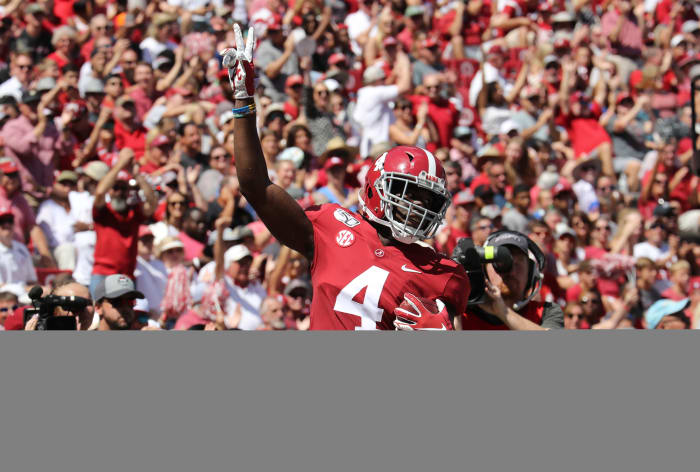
(321, 92)
(607, 188)
(178, 203)
(8, 221)
(219, 156)
(8, 309)
(574, 315)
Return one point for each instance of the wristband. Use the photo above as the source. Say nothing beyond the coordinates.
(243, 111)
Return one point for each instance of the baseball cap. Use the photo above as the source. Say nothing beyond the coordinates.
(676, 40)
(464, 197)
(663, 209)
(690, 26)
(509, 126)
(274, 23)
(160, 140)
(562, 229)
(235, 254)
(622, 97)
(663, 307)
(5, 209)
(462, 131)
(161, 61)
(296, 284)
(8, 100)
(561, 186)
(333, 162)
(31, 96)
(8, 166)
(93, 85)
(45, 84)
(96, 170)
(551, 59)
(373, 74)
(225, 117)
(67, 175)
(294, 154)
(414, 10)
(124, 99)
(240, 232)
(35, 8)
(144, 230)
(336, 58)
(293, 80)
(115, 286)
(496, 50)
(161, 18)
(227, 236)
(509, 238)
(563, 17)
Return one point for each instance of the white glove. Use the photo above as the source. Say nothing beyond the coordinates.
(239, 62)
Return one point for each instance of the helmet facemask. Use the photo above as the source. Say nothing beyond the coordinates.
(408, 220)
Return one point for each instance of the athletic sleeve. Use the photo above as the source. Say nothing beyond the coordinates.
(552, 316)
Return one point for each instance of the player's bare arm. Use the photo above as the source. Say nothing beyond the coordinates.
(277, 209)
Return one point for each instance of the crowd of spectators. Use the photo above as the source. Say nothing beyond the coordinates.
(567, 120)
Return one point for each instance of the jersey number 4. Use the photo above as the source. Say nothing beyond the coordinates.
(373, 279)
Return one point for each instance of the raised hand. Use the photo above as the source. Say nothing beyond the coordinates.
(239, 62)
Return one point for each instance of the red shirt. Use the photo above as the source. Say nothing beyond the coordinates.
(193, 248)
(25, 219)
(586, 133)
(444, 115)
(533, 311)
(358, 282)
(117, 238)
(134, 139)
(291, 110)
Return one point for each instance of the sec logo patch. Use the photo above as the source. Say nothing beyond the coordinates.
(345, 238)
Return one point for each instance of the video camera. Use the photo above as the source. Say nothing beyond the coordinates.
(495, 252)
(473, 258)
(46, 306)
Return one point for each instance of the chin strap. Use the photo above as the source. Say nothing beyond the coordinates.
(521, 304)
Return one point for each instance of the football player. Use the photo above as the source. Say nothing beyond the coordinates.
(369, 271)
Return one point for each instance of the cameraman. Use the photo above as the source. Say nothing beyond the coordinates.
(85, 318)
(509, 295)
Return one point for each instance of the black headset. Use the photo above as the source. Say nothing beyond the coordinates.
(535, 266)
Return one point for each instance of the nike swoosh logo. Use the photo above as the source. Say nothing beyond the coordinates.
(408, 269)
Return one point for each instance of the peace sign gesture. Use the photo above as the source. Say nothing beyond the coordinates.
(239, 62)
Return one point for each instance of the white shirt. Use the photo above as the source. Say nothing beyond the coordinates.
(13, 87)
(357, 23)
(250, 298)
(151, 279)
(647, 249)
(16, 265)
(81, 206)
(81, 210)
(56, 222)
(492, 75)
(374, 114)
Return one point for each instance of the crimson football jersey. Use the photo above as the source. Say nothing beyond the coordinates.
(358, 282)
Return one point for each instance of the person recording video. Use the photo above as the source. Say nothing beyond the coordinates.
(511, 287)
